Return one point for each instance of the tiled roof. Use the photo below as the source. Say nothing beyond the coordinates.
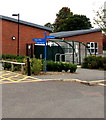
(26, 23)
(74, 33)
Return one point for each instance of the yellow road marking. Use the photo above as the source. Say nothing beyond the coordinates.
(10, 77)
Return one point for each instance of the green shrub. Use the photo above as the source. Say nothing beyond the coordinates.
(13, 57)
(6, 66)
(17, 67)
(36, 66)
(104, 66)
(94, 62)
(50, 66)
(65, 66)
(59, 66)
(72, 68)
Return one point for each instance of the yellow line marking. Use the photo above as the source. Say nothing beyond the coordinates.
(101, 84)
(19, 78)
(10, 77)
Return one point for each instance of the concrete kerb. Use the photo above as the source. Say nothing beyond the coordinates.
(78, 81)
(98, 82)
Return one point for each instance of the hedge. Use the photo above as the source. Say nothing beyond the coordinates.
(13, 58)
(94, 62)
(59, 66)
(37, 64)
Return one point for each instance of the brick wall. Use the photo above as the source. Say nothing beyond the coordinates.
(91, 37)
(27, 33)
(104, 40)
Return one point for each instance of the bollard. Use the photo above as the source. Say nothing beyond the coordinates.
(28, 67)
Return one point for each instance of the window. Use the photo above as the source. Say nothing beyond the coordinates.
(93, 47)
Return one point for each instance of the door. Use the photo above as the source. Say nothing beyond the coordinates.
(29, 50)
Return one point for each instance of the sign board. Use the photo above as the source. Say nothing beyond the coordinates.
(50, 37)
(39, 40)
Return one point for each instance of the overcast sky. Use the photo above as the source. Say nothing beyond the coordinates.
(44, 11)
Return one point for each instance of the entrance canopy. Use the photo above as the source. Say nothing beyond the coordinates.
(64, 51)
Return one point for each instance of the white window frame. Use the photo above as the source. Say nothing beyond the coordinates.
(94, 48)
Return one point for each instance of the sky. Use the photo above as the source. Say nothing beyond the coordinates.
(44, 11)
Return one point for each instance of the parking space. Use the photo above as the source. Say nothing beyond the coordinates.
(12, 77)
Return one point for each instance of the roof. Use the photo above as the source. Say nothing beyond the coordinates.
(25, 23)
(74, 33)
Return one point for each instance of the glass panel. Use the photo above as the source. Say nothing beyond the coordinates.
(92, 50)
(92, 44)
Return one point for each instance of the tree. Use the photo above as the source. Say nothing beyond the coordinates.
(74, 22)
(67, 21)
(49, 25)
(100, 19)
(63, 14)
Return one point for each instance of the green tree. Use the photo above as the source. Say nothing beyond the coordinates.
(74, 22)
(49, 25)
(62, 15)
(67, 21)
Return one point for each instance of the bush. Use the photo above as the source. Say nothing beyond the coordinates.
(94, 62)
(72, 68)
(13, 57)
(65, 66)
(35, 65)
(6, 66)
(51, 66)
(59, 66)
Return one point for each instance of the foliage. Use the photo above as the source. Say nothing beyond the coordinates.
(6, 66)
(49, 25)
(67, 21)
(100, 19)
(94, 62)
(35, 65)
(74, 22)
(59, 66)
(15, 57)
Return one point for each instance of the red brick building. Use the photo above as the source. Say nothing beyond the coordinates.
(27, 31)
(104, 41)
(9, 36)
(93, 38)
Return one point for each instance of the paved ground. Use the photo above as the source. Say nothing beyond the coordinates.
(52, 100)
(31, 98)
(81, 74)
(12, 77)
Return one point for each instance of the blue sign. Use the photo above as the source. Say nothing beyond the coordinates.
(50, 37)
(39, 40)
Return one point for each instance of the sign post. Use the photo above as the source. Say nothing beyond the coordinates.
(45, 53)
(43, 41)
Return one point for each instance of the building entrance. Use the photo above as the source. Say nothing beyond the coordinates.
(64, 51)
